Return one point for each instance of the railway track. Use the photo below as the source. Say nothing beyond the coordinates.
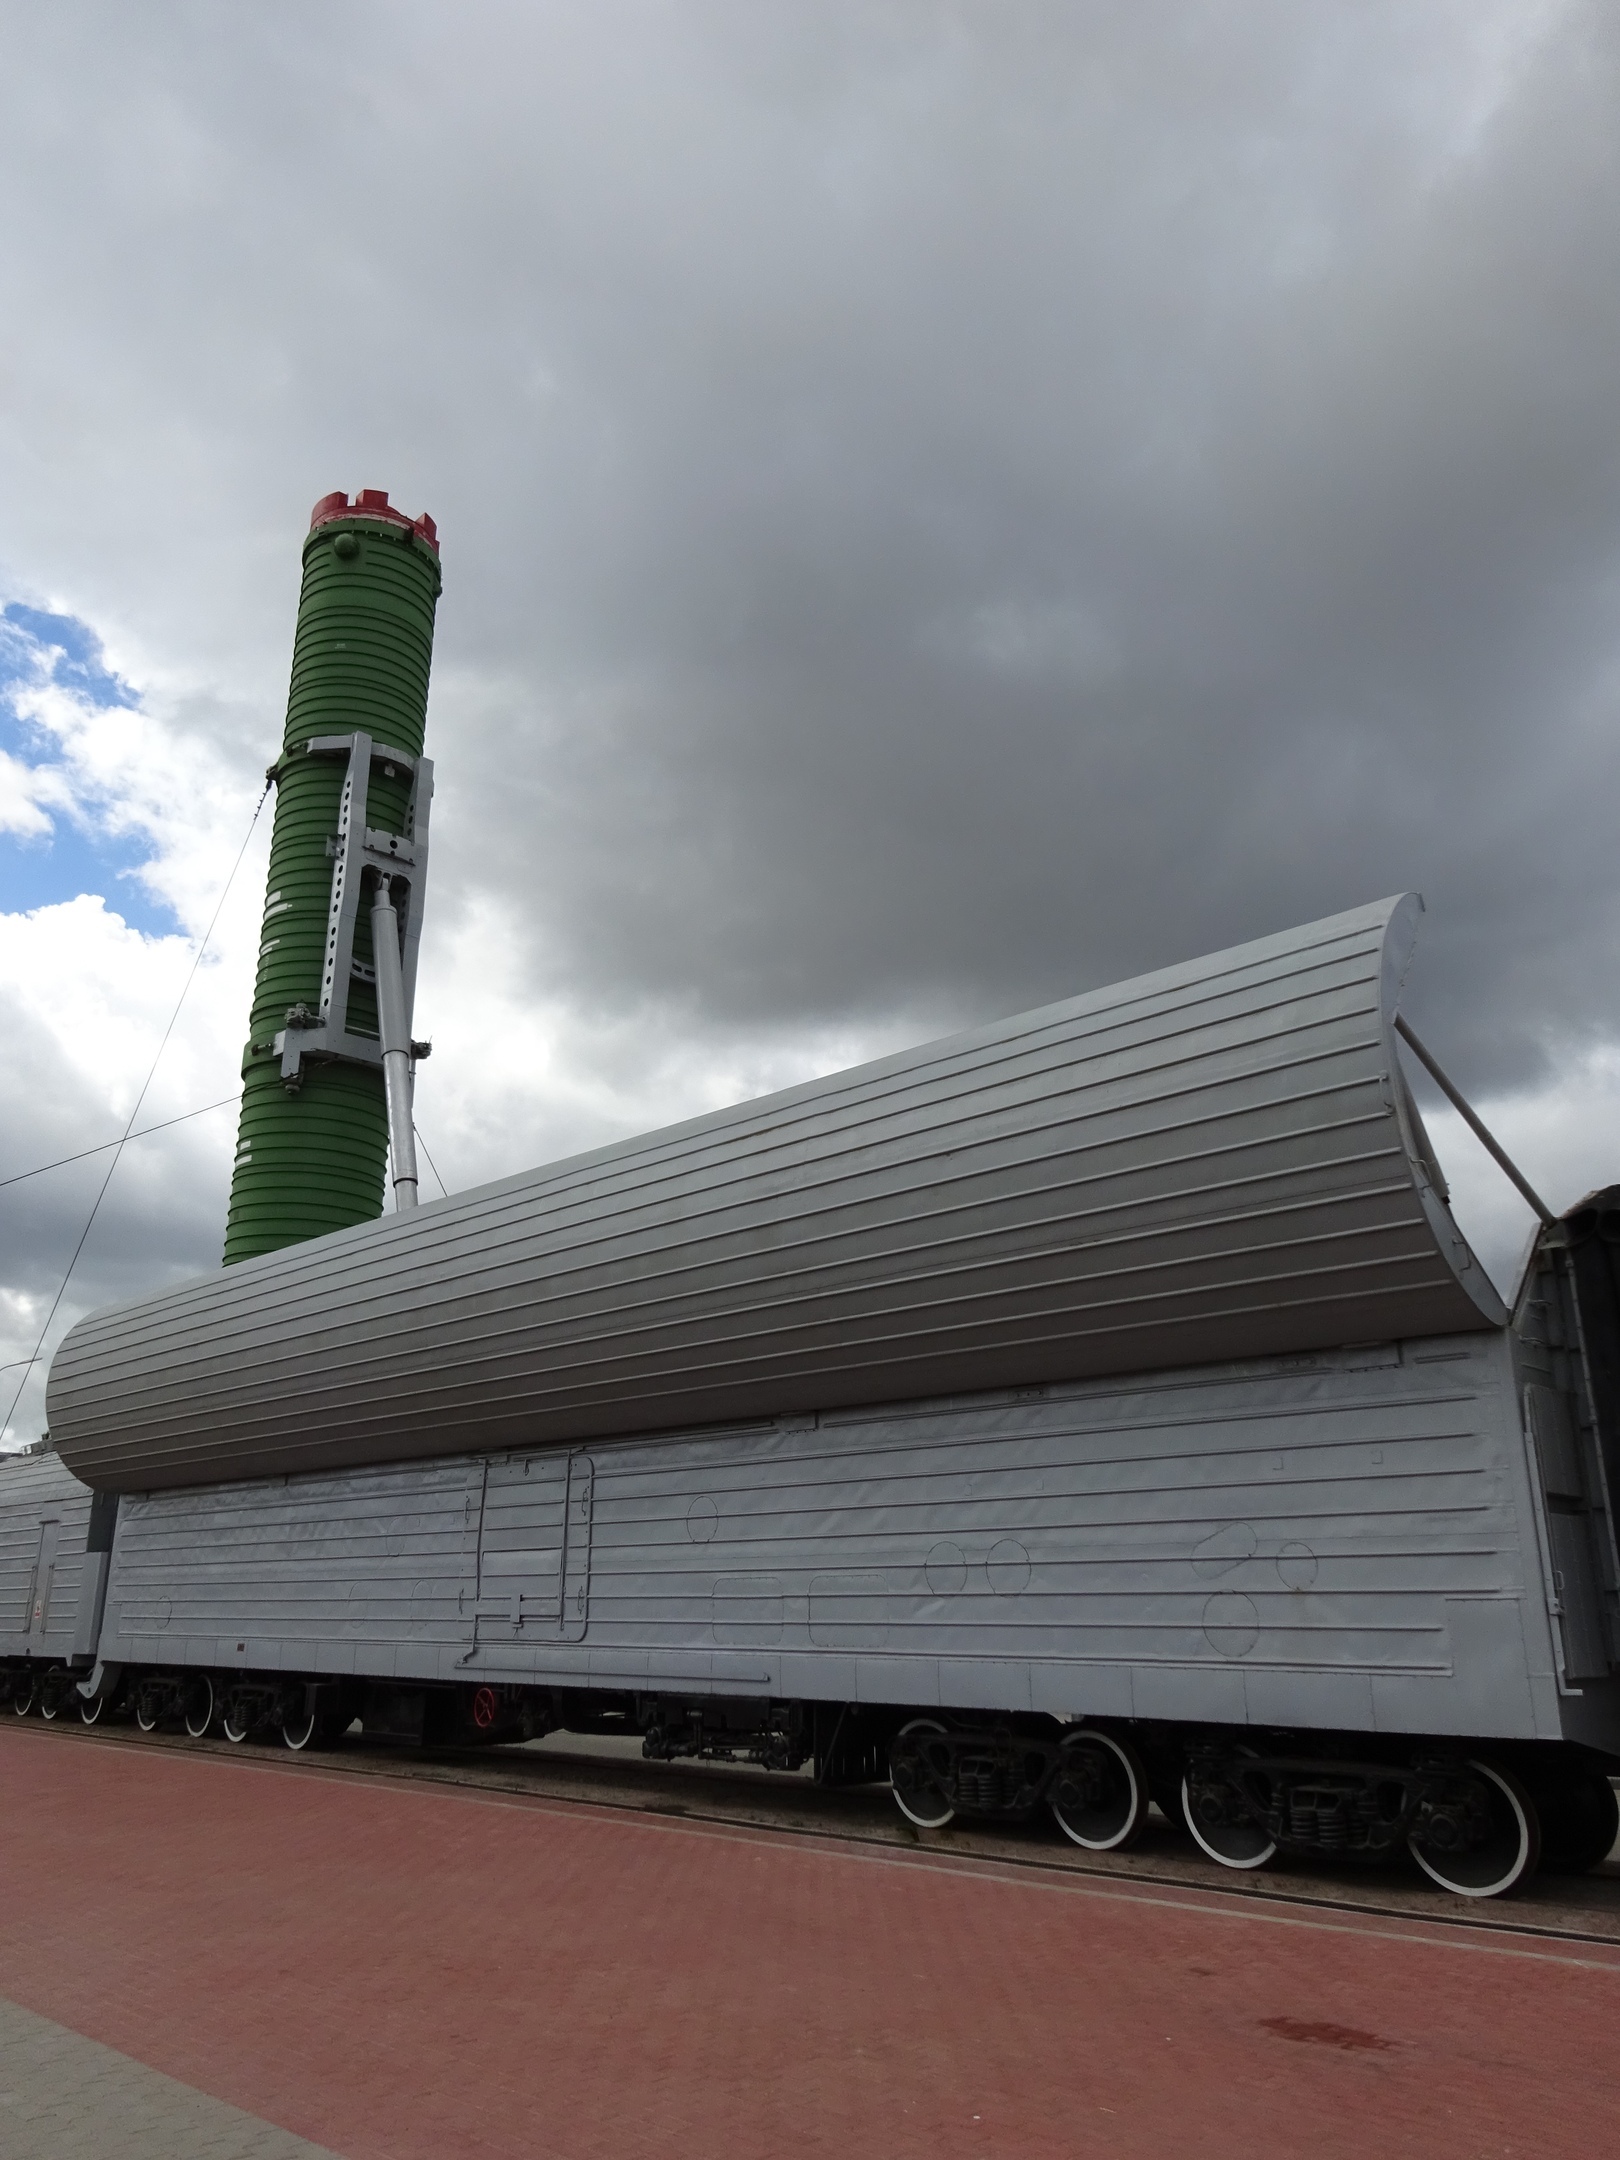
(568, 1770)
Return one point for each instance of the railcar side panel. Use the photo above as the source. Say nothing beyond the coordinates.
(1345, 1540)
(351, 1573)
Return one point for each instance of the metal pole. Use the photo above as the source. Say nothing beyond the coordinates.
(396, 1045)
(1492, 1146)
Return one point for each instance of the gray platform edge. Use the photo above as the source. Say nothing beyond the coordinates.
(66, 2097)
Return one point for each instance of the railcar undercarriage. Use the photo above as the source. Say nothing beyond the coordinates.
(1478, 1820)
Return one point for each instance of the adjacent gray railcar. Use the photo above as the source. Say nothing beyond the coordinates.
(1195, 1457)
(55, 1543)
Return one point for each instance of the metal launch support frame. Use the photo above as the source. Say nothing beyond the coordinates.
(398, 863)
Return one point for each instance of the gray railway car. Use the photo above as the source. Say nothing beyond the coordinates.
(55, 1543)
(1099, 1407)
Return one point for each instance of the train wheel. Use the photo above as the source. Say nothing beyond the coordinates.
(199, 1700)
(918, 1774)
(1099, 1797)
(299, 1731)
(22, 1700)
(1480, 1838)
(91, 1707)
(148, 1711)
(235, 1726)
(1221, 1826)
(49, 1705)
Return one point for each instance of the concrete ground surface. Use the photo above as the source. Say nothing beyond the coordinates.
(397, 1970)
(63, 2097)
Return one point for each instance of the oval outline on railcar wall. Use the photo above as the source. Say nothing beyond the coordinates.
(1225, 1549)
(946, 1568)
(1008, 1567)
(1297, 1566)
(1231, 1623)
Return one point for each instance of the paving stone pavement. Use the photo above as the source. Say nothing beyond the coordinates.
(425, 1973)
(63, 2097)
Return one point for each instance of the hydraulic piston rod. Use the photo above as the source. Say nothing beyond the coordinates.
(396, 1045)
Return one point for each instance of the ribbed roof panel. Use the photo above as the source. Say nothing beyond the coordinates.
(1216, 1161)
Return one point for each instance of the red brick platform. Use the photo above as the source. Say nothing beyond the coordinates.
(399, 1972)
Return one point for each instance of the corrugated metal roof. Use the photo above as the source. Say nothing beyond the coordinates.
(1215, 1161)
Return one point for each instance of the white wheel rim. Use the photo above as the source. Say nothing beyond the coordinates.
(290, 1727)
(1138, 1807)
(1521, 1862)
(193, 1727)
(48, 1710)
(145, 1718)
(235, 1733)
(923, 1822)
(90, 1707)
(920, 1822)
(1221, 1859)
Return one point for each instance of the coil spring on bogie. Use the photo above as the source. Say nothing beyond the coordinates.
(1001, 1782)
(981, 1782)
(1332, 1817)
(1317, 1817)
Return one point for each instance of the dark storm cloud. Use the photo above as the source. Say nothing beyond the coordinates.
(1112, 525)
(942, 506)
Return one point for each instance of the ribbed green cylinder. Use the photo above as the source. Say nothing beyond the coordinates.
(313, 1160)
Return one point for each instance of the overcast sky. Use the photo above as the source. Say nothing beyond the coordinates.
(942, 507)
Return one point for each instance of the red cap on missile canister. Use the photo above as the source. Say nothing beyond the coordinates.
(372, 503)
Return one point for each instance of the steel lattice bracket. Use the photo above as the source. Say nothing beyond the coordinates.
(357, 848)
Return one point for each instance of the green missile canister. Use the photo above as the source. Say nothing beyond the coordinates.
(329, 1057)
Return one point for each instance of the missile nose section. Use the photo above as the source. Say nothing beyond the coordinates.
(353, 792)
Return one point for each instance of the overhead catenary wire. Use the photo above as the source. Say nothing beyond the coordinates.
(20, 1176)
(118, 1146)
